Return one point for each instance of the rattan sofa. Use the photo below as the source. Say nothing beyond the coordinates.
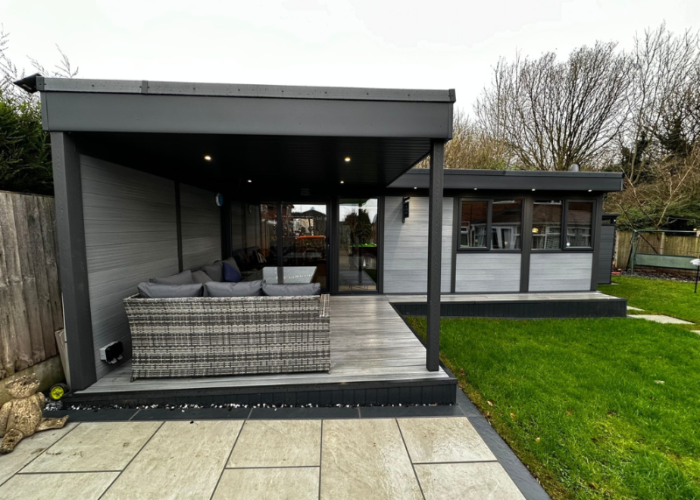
(212, 336)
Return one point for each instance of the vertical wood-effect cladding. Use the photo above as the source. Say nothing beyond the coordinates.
(406, 246)
(487, 272)
(561, 272)
(130, 236)
(201, 227)
(605, 258)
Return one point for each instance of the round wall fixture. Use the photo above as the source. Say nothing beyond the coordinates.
(219, 199)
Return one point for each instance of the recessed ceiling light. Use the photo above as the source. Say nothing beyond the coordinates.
(533, 189)
(342, 182)
(207, 157)
(250, 180)
(415, 187)
(590, 190)
(347, 158)
(475, 189)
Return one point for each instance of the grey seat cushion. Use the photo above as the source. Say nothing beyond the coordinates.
(292, 289)
(232, 262)
(183, 278)
(215, 271)
(161, 291)
(240, 289)
(201, 277)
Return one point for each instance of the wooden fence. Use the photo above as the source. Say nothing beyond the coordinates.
(30, 294)
(655, 243)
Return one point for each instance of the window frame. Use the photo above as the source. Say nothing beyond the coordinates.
(564, 226)
(489, 221)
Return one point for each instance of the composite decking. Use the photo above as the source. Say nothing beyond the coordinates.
(369, 343)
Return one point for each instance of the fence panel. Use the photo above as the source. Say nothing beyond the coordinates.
(656, 243)
(30, 297)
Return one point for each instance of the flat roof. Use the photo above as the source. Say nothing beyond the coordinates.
(40, 83)
(514, 180)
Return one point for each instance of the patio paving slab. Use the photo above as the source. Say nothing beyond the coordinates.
(467, 481)
(95, 447)
(102, 415)
(303, 413)
(660, 318)
(364, 459)
(292, 483)
(411, 411)
(160, 414)
(278, 443)
(28, 449)
(182, 460)
(71, 486)
(443, 440)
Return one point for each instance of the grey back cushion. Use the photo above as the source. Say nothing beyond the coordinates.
(215, 271)
(160, 291)
(183, 278)
(240, 289)
(292, 290)
(232, 262)
(201, 277)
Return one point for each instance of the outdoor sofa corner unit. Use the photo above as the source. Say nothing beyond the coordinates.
(217, 336)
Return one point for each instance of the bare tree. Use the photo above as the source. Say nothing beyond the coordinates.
(473, 148)
(553, 114)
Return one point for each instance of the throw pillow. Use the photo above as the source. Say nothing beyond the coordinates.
(232, 262)
(160, 291)
(215, 271)
(231, 275)
(201, 277)
(183, 278)
(295, 290)
(243, 289)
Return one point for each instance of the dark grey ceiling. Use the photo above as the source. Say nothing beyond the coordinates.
(275, 164)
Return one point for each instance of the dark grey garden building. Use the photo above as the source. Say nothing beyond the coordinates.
(313, 184)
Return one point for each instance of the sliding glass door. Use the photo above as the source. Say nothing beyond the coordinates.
(357, 245)
(304, 240)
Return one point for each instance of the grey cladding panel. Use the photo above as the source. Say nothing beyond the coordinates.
(561, 272)
(487, 272)
(131, 236)
(406, 246)
(607, 250)
(201, 227)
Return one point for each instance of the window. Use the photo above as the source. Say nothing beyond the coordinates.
(473, 227)
(579, 215)
(506, 220)
(490, 224)
(546, 225)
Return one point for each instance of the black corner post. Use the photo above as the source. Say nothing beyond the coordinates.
(73, 260)
(437, 158)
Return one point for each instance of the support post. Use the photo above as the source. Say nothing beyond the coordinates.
(437, 158)
(73, 260)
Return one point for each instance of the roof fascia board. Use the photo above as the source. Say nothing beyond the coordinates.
(139, 113)
(515, 180)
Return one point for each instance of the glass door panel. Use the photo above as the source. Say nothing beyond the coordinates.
(357, 259)
(304, 241)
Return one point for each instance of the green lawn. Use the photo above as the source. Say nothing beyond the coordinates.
(579, 402)
(657, 296)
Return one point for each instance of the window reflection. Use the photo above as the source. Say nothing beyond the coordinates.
(546, 225)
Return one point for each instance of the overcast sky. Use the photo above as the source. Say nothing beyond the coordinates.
(373, 43)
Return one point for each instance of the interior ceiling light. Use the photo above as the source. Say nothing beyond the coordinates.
(347, 158)
(342, 182)
(250, 180)
(207, 157)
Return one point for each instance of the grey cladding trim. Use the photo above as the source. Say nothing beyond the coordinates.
(246, 90)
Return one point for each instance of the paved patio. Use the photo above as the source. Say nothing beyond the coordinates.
(382, 458)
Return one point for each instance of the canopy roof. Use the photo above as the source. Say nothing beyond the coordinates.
(281, 138)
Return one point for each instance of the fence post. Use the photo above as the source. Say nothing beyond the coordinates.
(633, 251)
